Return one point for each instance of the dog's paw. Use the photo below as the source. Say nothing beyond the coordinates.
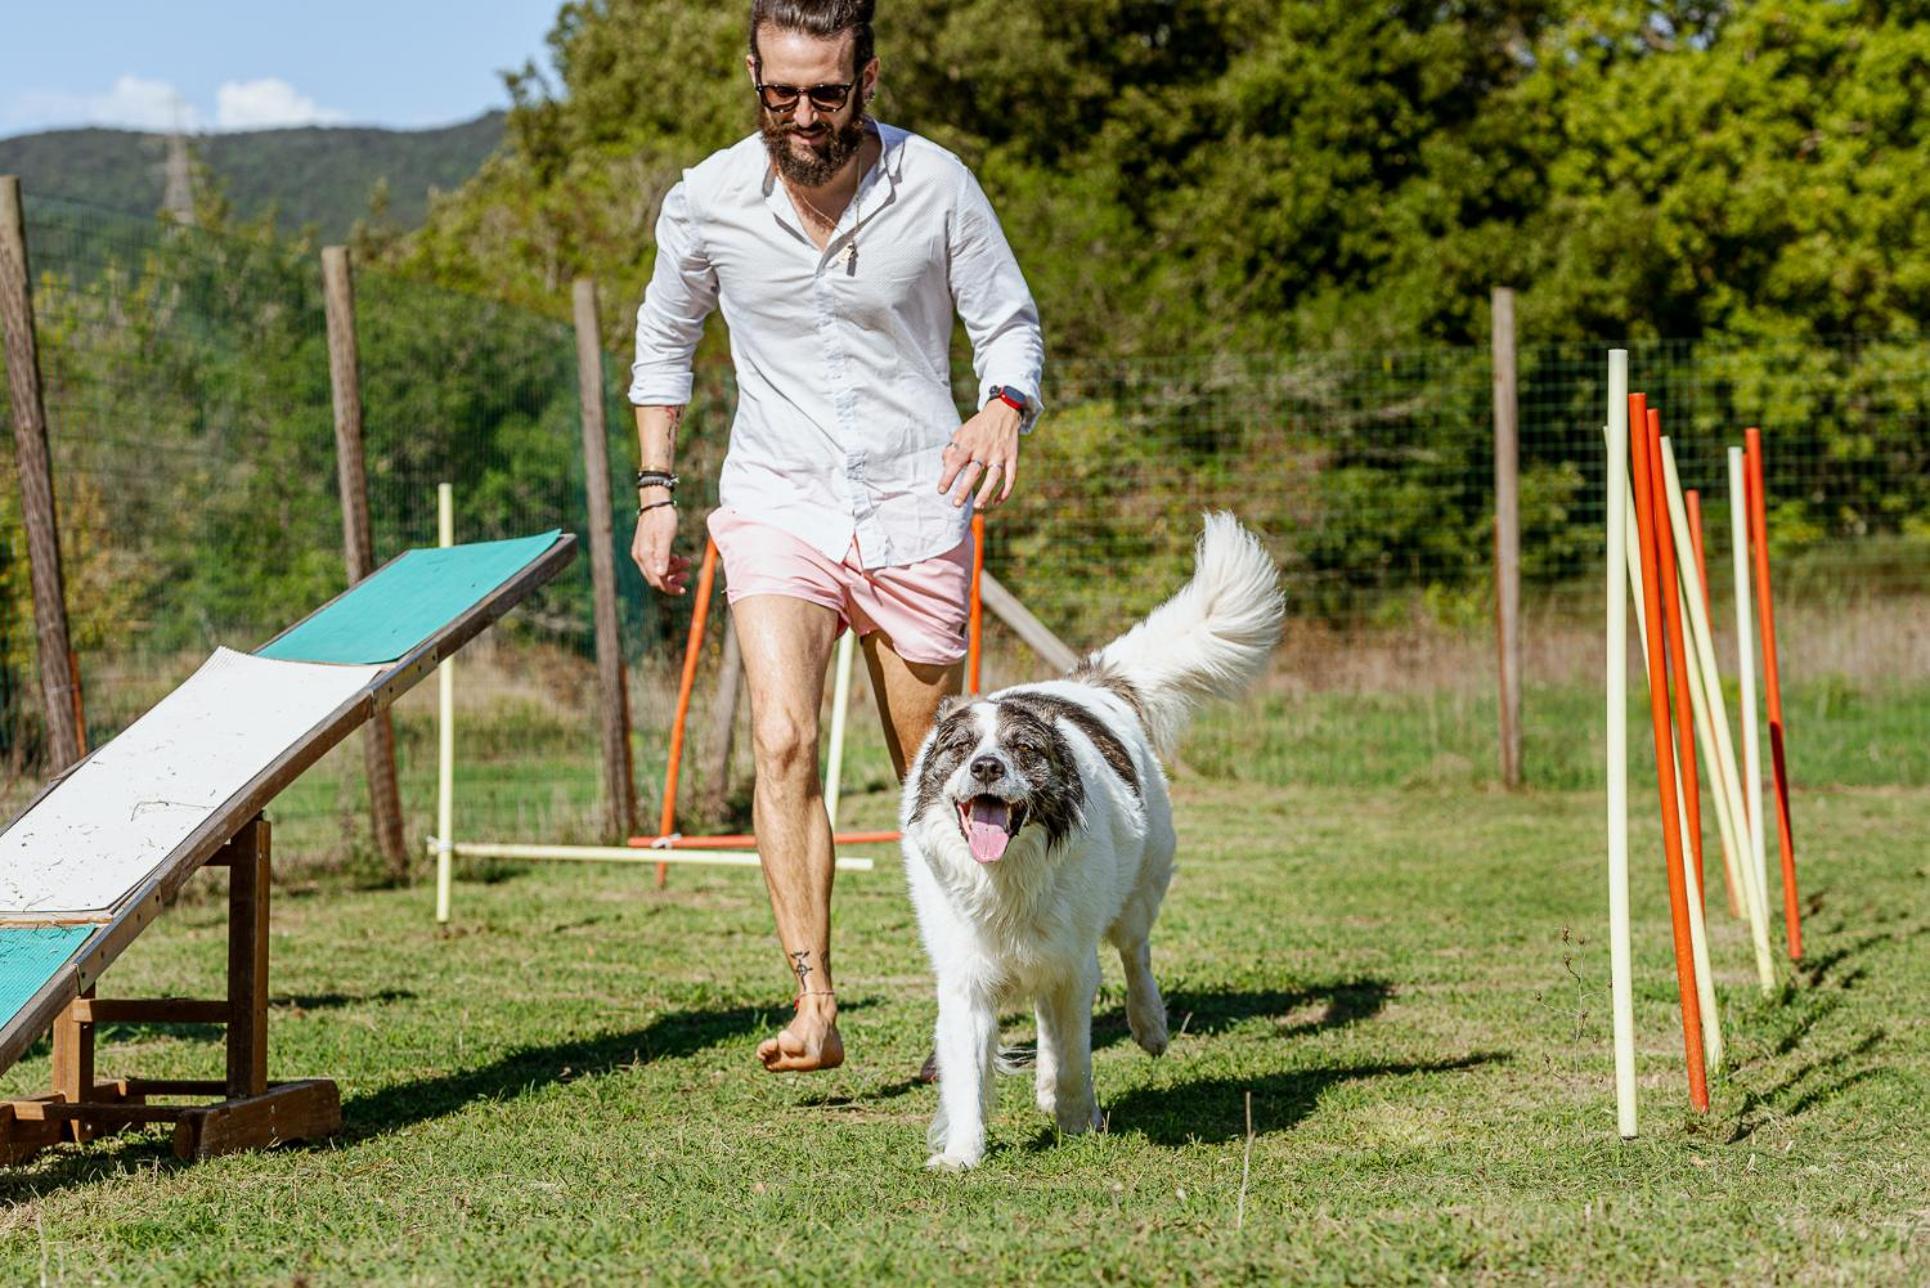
(951, 1163)
(1149, 1031)
(1075, 1121)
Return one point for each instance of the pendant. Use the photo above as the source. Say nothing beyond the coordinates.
(849, 257)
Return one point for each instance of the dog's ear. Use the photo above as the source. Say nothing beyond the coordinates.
(948, 704)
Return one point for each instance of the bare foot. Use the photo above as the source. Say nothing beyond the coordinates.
(809, 1042)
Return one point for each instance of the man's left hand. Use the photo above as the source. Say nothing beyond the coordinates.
(983, 454)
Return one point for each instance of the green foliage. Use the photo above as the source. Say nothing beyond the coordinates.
(324, 178)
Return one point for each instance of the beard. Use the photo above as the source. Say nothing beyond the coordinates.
(827, 148)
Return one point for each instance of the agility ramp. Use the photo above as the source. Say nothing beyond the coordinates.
(96, 856)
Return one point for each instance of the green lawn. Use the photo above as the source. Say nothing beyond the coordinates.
(1405, 973)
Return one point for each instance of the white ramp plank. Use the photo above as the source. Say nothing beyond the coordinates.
(113, 820)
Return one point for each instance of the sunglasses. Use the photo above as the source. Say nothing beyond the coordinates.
(825, 98)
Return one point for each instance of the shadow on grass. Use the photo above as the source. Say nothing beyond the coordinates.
(671, 1036)
(1295, 1012)
(1214, 1110)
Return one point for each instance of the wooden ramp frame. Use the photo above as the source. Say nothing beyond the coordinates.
(246, 1111)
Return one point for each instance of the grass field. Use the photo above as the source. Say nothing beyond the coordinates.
(1400, 966)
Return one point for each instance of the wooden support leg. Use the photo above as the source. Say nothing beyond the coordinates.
(248, 961)
(74, 1063)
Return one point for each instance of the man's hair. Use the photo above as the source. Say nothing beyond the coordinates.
(826, 19)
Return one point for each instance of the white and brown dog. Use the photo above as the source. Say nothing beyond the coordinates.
(1037, 821)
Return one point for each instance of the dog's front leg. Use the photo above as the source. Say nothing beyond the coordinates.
(1065, 1025)
(967, 1041)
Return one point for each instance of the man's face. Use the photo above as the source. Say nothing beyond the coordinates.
(810, 145)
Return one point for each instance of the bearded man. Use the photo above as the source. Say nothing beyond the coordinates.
(838, 249)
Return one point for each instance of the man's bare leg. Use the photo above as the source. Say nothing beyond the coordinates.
(908, 696)
(786, 644)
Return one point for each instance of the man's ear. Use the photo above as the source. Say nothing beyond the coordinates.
(868, 81)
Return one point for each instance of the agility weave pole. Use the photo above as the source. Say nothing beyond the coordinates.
(86, 875)
(1693, 499)
(1683, 694)
(1746, 667)
(1621, 971)
(1676, 860)
(1712, 722)
(1772, 687)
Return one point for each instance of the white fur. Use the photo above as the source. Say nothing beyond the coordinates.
(1029, 925)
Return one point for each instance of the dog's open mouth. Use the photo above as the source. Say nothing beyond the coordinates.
(989, 824)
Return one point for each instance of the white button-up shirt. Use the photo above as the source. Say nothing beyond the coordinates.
(844, 398)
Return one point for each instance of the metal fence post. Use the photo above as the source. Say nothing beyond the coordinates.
(344, 379)
(1507, 532)
(58, 684)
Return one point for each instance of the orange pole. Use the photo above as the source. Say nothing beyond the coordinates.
(1772, 686)
(693, 646)
(1646, 527)
(1678, 655)
(975, 634)
(1693, 499)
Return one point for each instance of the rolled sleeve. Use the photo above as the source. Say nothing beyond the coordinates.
(994, 302)
(670, 322)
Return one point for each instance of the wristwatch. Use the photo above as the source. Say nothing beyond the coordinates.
(1012, 397)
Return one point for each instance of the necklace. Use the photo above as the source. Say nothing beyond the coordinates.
(849, 255)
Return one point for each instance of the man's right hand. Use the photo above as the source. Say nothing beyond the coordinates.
(656, 533)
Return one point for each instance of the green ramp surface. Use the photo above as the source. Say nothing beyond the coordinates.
(405, 602)
(29, 956)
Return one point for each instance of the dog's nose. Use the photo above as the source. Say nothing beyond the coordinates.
(988, 769)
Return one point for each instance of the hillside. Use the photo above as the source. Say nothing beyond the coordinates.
(323, 176)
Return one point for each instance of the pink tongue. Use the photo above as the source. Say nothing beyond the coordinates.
(986, 830)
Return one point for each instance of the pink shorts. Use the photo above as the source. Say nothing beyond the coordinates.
(919, 607)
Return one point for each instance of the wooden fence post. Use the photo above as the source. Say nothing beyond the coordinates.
(58, 685)
(1507, 531)
(344, 380)
(619, 786)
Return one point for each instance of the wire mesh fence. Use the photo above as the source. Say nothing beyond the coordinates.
(187, 390)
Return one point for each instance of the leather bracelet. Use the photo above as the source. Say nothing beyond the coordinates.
(654, 505)
(656, 478)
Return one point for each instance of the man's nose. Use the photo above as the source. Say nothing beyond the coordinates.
(988, 769)
(805, 114)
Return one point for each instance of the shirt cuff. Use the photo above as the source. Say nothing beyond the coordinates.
(653, 387)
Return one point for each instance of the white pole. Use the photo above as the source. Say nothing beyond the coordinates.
(1705, 987)
(630, 854)
(445, 726)
(1758, 857)
(1716, 721)
(1620, 971)
(840, 699)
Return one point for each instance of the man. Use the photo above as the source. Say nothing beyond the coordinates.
(837, 249)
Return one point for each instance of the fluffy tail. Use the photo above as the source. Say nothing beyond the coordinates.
(1211, 640)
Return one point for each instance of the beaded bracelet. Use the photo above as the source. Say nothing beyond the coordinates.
(657, 478)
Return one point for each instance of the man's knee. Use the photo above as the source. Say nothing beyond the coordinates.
(785, 746)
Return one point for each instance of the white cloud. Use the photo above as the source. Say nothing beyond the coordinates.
(134, 103)
(267, 103)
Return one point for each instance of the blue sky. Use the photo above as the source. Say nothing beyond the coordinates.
(226, 64)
